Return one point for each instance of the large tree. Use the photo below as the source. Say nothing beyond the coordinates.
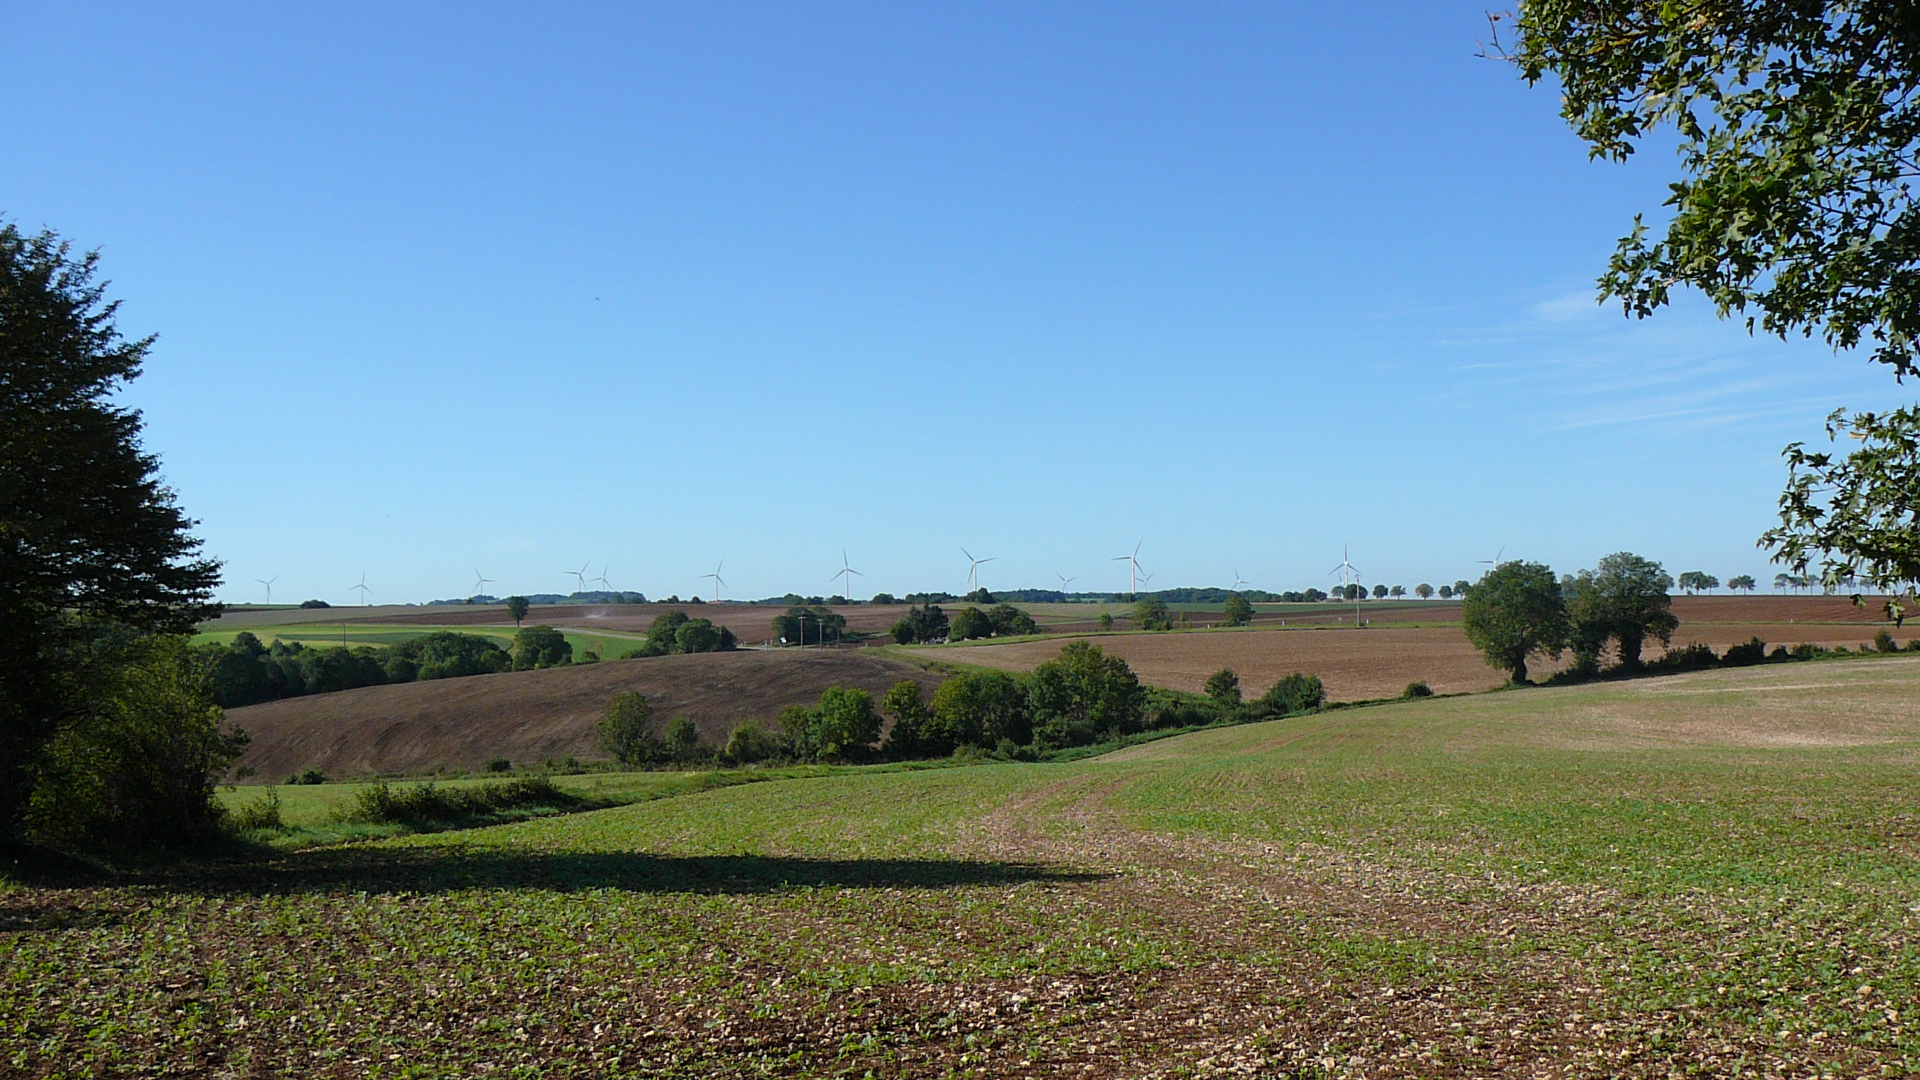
(1799, 128)
(1514, 611)
(1624, 600)
(90, 537)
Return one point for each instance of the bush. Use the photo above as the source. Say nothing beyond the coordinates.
(1417, 689)
(683, 739)
(1694, 657)
(1883, 642)
(136, 771)
(499, 764)
(1807, 650)
(968, 624)
(1223, 686)
(1753, 651)
(1779, 653)
(626, 730)
(311, 776)
(429, 804)
(1296, 693)
(1172, 709)
(1084, 696)
(977, 709)
(260, 815)
(748, 743)
(540, 647)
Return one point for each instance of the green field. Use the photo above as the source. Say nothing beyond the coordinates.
(610, 645)
(1714, 874)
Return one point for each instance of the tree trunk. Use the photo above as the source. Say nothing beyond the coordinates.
(1520, 672)
(1630, 651)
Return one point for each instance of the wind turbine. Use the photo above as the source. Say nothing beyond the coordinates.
(268, 582)
(1349, 576)
(362, 587)
(717, 579)
(602, 579)
(479, 579)
(973, 572)
(1495, 561)
(847, 573)
(1064, 581)
(1133, 566)
(1237, 579)
(580, 575)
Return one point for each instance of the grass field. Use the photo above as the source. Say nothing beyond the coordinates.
(610, 645)
(1714, 874)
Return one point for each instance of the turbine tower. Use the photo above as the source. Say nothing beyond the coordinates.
(846, 573)
(1237, 579)
(580, 575)
(1133, 567)
(479, 579)
(1064, 581)
(717, 579)
(1349, 576)
(268, 582)
(973, 572)
(602, 579)
(362, 587)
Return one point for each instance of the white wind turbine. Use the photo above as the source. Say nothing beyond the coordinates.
(479, 580)
(602, 579)
(579, 575)
(1237, 579)
(973, 571)
(1064, 581)
(846, 573)
(362, 587)
(268, 582)
(1349, 577)
(1133, 567)
(1495, 561)
(717, 579)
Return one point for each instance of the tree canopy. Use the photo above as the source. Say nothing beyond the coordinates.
(1515, 610)
(1623, 600)
(89, 535)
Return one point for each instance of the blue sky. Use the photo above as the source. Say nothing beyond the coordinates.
(520, 287)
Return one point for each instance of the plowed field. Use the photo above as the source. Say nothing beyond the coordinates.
(531, 716)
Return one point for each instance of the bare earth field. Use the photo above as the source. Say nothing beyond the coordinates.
(1382, 660)
(1711, 875)
(532, 716)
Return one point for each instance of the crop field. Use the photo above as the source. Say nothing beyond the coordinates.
(529, 717)
(1713, 874)
(1381, 660)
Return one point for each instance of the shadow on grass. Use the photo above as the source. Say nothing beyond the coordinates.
(454, 869)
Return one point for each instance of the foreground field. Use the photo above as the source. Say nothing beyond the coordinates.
(1710, 875)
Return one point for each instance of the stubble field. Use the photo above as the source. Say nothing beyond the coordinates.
(1713, 875)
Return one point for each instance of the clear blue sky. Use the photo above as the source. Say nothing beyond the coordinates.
(518, 287)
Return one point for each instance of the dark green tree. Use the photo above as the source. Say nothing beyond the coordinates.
(626, 730)
(1152, 615)
(904, 704)
(970, 623)
(843, 727)
(517, 607)
(683, 739)
(1515, 610)
(978, 709)
(1623, 600)
(1423, 590)
(1223, 686)
(1239, 611)
(1855, 517)
(1008, 620)
(1083, 696)
(1698, 581)
(540, 647)
(90, 538)
(1295, 693)
(1741, 583)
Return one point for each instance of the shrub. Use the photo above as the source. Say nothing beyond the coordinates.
(1883, 642)
(1807, 650)
(977, 709)
(540, 647)
(626, 730)
(904, 705)
(1106, 620)
(260, 815)
(1083, 696)
(1223, 686)
(1172, 709)
(1753, 651)
(1152, 615)
(1417, 689)
(499, 764)
(135, 771)
(748, 743)
(843, 727)
(968, 624)
(429, 804)
(1779, 653)
(683, 738)
(1693, 657)
(311, 776)
(1296, 693)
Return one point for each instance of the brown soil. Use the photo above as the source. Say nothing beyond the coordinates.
(533, 716)
(1382, 660)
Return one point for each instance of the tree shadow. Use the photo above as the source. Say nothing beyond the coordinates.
(453, 869)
